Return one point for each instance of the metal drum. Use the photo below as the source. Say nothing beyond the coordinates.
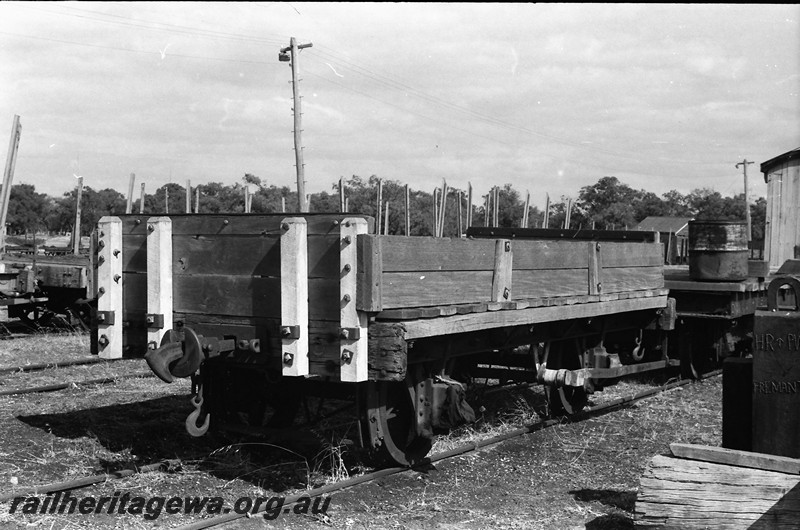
(776, 374)
(718, 250)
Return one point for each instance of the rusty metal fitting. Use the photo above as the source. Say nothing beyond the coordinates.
(288, 358)
(102, 341)
(347, 356)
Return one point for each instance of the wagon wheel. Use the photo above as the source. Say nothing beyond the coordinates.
(390, 424)
(566, 399)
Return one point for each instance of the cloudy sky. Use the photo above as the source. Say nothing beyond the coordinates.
(546, 97)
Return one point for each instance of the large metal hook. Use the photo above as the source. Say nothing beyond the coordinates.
(191, 420)
(638, 351)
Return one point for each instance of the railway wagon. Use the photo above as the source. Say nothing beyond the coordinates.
(35, 289)
(261, 310)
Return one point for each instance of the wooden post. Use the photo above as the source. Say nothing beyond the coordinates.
(141, 199)
(347, 204)
(129, 204)
(353, 340)
(568, 218)
(197, 199)
(294, 296)
(246, 198)
(458, 213)
(188, 196)
(159, 279)
(408, 211)
(435, 211)
(486, 205)
(546, 220)
(442, 209)
(283, 204)
(166, 200)
(294, 48)
(469, 205)
(386, 219)
(109, 288)
(76, 232)
(525, 211)
(378, 214)
(595, 268)
(497, 206)
(8, 177)
(341, 195)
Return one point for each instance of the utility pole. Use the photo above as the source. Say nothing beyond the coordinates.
(8, 177)
(289, 54)
(744, 163)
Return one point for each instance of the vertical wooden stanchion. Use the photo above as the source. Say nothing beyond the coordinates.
(503, 263)
(197, 199)
(159, 279)
(166, 199)
(353, 340)
(386, 218)
(141, 200)
(188, 196)
(294, 296)
(109, 288)
(341, 195)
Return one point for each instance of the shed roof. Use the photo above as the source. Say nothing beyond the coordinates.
(767, 166)
(676, 225)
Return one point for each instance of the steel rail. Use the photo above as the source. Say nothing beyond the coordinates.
(45, 366)
(63, 386)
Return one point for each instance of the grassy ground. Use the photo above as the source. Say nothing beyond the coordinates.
(574, 475)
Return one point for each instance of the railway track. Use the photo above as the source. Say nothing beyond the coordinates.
(63, 385)
(167, 465)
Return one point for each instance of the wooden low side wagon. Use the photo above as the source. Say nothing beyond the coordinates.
(260, 309)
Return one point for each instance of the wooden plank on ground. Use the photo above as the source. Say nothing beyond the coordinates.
(721, 455)
(693, 494)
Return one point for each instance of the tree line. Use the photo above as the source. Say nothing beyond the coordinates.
(607, 204)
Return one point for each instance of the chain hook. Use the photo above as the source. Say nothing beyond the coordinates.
(191, 420)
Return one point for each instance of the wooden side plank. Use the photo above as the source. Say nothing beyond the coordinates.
(110, 286)
(404, 254)
(616, 280)
(159, 278)
(720, 455)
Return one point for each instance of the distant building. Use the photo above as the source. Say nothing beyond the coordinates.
(674, 235)
(782, 234)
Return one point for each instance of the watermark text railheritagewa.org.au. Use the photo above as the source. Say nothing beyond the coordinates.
(151, 508)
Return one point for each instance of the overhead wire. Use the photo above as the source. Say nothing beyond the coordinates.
(319, 54)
